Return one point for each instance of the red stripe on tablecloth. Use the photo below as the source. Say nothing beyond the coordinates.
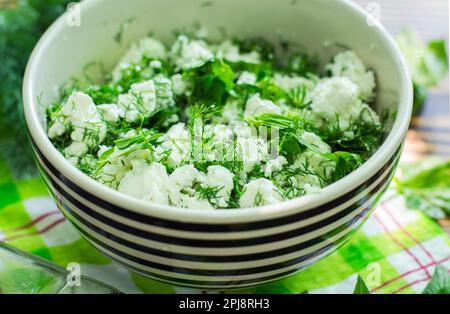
(386, 209)
(411, 284)
(33, 222)
(409, 273)
(39, 232)
(386, 230)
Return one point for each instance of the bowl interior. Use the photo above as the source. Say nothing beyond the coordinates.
(320, 27)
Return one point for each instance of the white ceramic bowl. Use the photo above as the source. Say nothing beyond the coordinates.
(220, 248)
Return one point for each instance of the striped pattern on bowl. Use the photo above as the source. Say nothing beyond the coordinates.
(216, 256)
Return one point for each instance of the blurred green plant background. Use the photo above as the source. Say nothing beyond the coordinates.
(22, 22)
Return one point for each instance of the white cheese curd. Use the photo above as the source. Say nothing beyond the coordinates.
(216, 142)
(109, 112)
(289, 83)
(178, 141)
(194, 202)
(313, 168)
(76, 149)
(315, 141)
(231, 112)
(146, 182)
(256, 106)
(183, 177)
(188, 53)
(274, 165)
(148, 47)
(164, 93)
(222, 179)
(252, 151)
(244, 130)
(223, 133)
(179, 86)
(139, 102)
(348, 64)
(80, 113)
(369, 115)
(246, 77)
(230, 52)
(156, 64)
(337, 97)
(181, 191)
(57, 128)
(311, 189)
(260, 192)
(115, 167)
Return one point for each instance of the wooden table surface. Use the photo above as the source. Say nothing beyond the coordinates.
(430, 133)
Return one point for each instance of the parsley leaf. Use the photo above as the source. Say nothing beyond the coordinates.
(212, 82)
(428, 63)
(440, 283)
(361, 287)
(426, 187)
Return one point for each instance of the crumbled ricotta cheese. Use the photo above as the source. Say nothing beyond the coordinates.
(181, 191)
(219, 177)
(76, 149)
(178, 84)
(146, 182)
(139, 101)
(348, 64)
(252, 151)
(80, 113)
(274, 165)
(260, 192)
(246, 77)
(230, 52)
(57, 128)
(256, 106)
(188, 53)
(313, 168)
(337, 97)
(289, 83)
(178, 141)
(109, 112)
(148, 46)
(156, 64)
(164, 93)
(231, 112)
(315, 141)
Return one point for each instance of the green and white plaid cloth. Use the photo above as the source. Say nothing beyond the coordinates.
(395, 252)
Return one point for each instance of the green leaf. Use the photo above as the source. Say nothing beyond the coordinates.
(223, 72)
(361, 287)
(21, 25)
(428, 63)
(426, 187)
(345, 163)
(211, 82)
(440, 283)
(420, 95)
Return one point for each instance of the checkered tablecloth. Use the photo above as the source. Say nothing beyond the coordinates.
(395, 251)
